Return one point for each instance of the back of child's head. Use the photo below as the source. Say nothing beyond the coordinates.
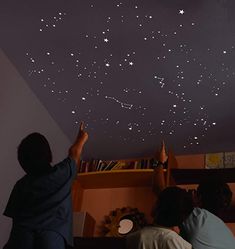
(34, 154)
(173, 206)
(214, 194)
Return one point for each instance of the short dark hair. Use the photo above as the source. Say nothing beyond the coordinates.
(214, 194)
(172, 207)
(34, 154)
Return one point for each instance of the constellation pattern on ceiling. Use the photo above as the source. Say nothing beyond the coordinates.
(115, 63)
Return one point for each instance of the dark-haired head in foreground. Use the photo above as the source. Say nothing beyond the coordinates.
(34, 154)
(173, 206)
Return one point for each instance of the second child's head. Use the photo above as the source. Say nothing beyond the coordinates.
(34, 154)
(214, 194)
(173, 206)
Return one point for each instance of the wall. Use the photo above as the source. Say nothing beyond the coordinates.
(20, 114)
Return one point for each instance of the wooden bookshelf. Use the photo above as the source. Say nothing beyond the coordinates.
(128, 178)
(117, 178)
(121, 178)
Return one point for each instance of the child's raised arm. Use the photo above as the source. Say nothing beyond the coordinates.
(76, 149)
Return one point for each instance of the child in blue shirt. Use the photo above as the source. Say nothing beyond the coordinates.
(40, 203)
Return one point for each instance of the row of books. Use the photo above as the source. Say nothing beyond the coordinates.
(100, 165)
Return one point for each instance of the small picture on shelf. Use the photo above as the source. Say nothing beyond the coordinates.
(214, 160)
(229, 159)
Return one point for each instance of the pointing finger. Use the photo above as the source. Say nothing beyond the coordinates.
(81, 128)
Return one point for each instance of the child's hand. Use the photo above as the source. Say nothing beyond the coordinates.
(76, 149)
(82, 135)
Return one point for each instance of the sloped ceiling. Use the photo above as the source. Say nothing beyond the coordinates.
(135, 71)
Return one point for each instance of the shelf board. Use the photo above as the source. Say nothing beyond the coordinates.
(116, 178)
(193, 176)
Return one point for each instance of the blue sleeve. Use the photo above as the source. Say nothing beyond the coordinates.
(67, 168)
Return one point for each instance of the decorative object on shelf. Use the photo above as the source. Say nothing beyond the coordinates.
(123, 221)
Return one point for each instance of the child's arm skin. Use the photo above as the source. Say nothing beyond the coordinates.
(76, 149)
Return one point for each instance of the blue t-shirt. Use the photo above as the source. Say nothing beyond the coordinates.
(204, 230)
(44, 202)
